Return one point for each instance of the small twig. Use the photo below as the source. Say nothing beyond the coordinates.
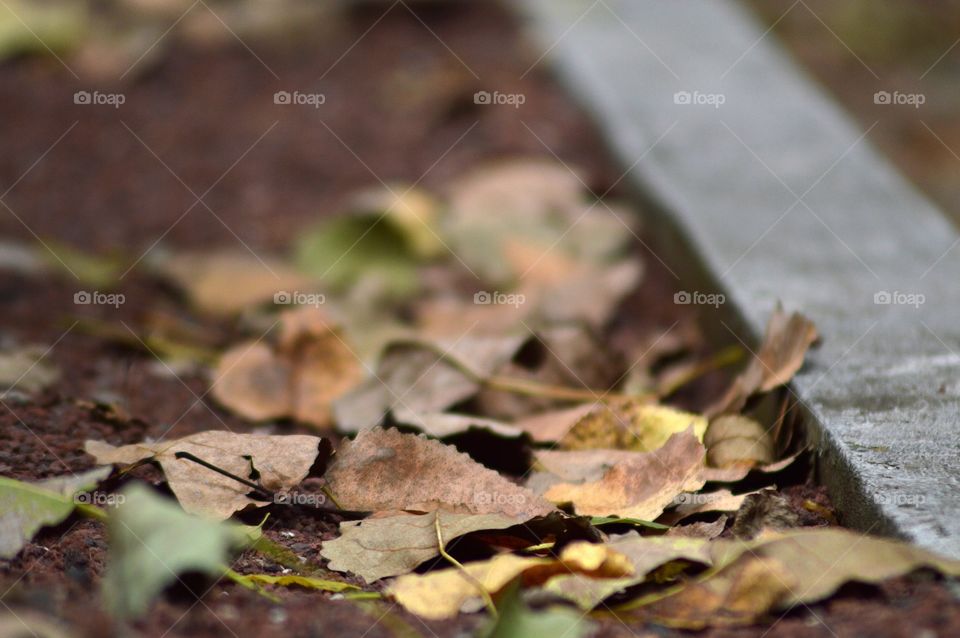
(487, 599)
(532, 388)
(263, 492)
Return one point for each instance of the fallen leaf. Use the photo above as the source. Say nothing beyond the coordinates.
(552, 425)
(733, 440)
(444, 593)
(640, 487)
(26, 370)
(642, 554)
(384, 470)
(700, 529)
(311, 366)
(444, 424)
(26, 507)
(228, 282)
(281, 462)
(377, 548)
(424, 377)
(797, 567)
(787, 339)
(152, 541)
(630, 425)
(740, 472)
(21, 623)
(377, 242)
(690, 504)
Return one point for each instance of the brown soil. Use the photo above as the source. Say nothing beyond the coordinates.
(399, 104)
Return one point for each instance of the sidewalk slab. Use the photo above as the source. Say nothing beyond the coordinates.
(768, 191)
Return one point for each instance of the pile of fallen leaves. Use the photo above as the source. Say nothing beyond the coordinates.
(493, 451)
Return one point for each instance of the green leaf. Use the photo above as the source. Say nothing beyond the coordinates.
(517, 620)
(26, 507)
(153, 541)
(348, 250)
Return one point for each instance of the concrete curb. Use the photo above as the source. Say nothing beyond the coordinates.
(769, 192)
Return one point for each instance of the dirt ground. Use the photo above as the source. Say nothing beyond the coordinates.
(399, 108)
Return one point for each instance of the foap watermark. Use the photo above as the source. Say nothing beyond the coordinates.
(697, 298)
(307, 499)
(899, 99)
(898, 298)
(698, 98)
(96, 98)
(515, 100)
(297, 298)
(296, 98)
(497, 498)
(899, 499)
(99, 499)
(497, 298)
(97, 298)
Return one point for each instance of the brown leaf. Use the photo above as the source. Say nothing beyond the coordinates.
(228, 282)
(734, 440)
(300, 377)
(424, 377)
(642, 486)
(282, 462)
(385, 470)
(787, 339)
(376, 548)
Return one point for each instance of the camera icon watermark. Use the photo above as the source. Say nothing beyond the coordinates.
(297, 298)
(96, 98)
(497, 298)
(898, 298)
(897, 98)
(716, 100)
(697, 298)
(97, 298)
(296, 98)
(516, 100)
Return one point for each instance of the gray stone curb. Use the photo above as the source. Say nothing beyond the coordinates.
(767, 191)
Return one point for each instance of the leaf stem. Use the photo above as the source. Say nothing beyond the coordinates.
(487, 599)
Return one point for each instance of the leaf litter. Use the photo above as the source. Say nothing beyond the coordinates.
(402, 328)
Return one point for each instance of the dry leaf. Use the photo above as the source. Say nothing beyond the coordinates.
(384, 470)
(700, 529)
(797, 567)
(424, 377)
(300, 377)
(733, 440)
(787, 339)
(643, 555)
(551, 426)
(740, 472)
(444, 593)
(640, 487)
(444, 424)
(630, 425)
(281, 461)
(376, 548)
(229, 282)
(690, 504)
